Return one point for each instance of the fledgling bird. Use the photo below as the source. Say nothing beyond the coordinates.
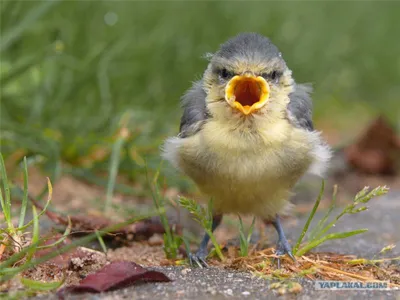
(246, 135)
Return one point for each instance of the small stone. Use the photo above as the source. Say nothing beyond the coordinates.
(155, 240)
(295, 288)
(185, 271)
(281, 291)
(245, 293)
(212, 291)
(229, 292)
(275, 285)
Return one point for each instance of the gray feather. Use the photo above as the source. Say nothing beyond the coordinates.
(249, 45)
(194, 110)
(300, 107)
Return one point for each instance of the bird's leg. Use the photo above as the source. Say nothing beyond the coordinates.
(283, 246)
(199, 258)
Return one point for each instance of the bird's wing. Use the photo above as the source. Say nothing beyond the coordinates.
(300, 107)
(194, 110)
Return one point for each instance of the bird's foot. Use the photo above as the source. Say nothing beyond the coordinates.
(198, 259)
(283, 247)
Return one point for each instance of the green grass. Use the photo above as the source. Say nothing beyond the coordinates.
(172, 241)
(243, 238)
(19, 244)
(203, 216)
(320, 233)
(123, 134)
(68, 79)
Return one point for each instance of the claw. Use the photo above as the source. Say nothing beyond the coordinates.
(198, 259)
(291, 256)
(283, 248)
(279, 253)
(278, 262)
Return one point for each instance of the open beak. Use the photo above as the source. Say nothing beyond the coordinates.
(247, 93)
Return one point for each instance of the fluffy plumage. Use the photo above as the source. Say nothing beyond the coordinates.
(247, 164)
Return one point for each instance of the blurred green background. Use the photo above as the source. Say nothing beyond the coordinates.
(74, 73)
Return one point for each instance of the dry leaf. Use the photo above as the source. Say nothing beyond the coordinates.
(115, 275)
(377, 151)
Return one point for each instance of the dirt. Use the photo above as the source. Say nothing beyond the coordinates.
(79, 263)
(226, 281)
(239, 282)
(143, 253)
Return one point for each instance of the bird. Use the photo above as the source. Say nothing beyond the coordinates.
(246, 135)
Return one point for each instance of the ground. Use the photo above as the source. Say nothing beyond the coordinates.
(382, 219)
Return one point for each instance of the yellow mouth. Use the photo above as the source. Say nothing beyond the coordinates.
(247, 94)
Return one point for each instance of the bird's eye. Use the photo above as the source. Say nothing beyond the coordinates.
(225, 74)
(272, 76)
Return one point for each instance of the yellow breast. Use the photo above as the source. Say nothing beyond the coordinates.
(246, 169)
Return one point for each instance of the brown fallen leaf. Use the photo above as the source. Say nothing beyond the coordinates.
(114, 276)
(377, 151)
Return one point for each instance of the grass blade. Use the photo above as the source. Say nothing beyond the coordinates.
(242, 239)
(40, 285)
(322, 222)
(25, 197)
(204, 218)
(251, 229)
(61, 239)
(114, 165)
(331, 236)
(245, 240)
(216, 245)
(23, 65)
(311, 216)
(49, 197)
(15, 32)
(35, 234)
(171, 240)
(3, 203)
(6, 205)
(101, 241)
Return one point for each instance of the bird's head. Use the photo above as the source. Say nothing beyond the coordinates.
(245, 76)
